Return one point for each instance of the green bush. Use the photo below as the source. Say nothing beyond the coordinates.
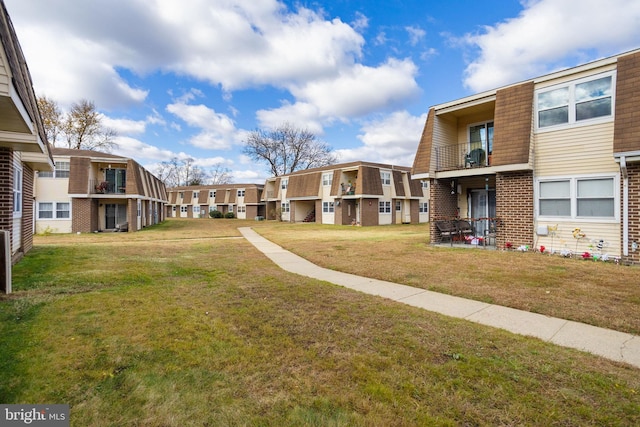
(229, 215)
(215, 214)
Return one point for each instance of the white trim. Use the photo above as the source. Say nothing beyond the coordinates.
(573, 179)
(571, 121)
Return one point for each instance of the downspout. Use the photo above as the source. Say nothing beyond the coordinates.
(625, 206)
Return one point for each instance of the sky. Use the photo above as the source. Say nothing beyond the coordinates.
(190, 78)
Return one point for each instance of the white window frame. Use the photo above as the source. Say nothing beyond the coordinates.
(385, 177)
(424, 184)
(196, 209)
(328, 207)
(139, 208)
(60, 172)
(572, 122)
(285, 207)
(573, 197)
(327, 179)
(241, 209)
(196, 195)
(241, 193)
(423, 207)
(284, 183)
(184, 209)
(17, 189)
(384, 207)
(212, 194)
(55, 211)
(213, 208)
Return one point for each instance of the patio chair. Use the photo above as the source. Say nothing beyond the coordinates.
(447, 230)
(464, 228)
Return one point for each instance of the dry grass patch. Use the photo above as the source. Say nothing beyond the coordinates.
(180, 332)
(596, 293)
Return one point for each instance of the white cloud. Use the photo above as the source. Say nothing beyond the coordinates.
(124, 126)
(357, 91)
(140, 151)
(416, 35)
(548, 35)
(218, 131)
(392, 139)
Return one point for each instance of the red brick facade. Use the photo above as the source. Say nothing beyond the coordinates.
(443, 206)
(6, 190)
(633, 172)
(514, 208)
(84, 215)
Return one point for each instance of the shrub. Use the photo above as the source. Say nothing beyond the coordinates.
(215, 214)
(229, 215)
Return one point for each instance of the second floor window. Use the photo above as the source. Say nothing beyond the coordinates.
(240, 193)
(386, 178)
(327, 179)
(568, 104)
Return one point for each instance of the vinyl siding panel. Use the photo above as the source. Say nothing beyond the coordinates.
(445, 132)
(307, 185)
(595, 231)
(579, 150)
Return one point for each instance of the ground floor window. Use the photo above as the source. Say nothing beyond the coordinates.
(184, 209)
(54, 210)
(285, 207)
(384, 207)
(196, 209)
(327, 207)
(242, 209)
(424, 207)
(577, 197)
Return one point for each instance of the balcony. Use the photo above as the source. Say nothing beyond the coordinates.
(462, 156)
(107, 187)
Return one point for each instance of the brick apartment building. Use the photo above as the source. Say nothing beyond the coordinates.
(359, 193)
(551, 161)
(196, 201)
(91, 191)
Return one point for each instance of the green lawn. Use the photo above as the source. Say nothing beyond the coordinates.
(186, 324)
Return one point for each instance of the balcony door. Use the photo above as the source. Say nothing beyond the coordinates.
(481, 143)
(117, 179)
(482, 205)
(114, 214)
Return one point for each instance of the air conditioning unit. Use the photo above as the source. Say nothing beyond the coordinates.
(5, 262)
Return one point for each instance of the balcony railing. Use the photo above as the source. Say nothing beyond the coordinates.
(462, 156)
(106, 187)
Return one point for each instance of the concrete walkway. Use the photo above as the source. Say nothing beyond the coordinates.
(618, 346)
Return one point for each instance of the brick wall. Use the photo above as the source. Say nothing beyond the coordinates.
(6, 190)
(514, 208)
(84, 215)
(369, 214)
(634, 214)
(443, 206)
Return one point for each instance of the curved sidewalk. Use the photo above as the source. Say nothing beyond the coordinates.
(614, 345)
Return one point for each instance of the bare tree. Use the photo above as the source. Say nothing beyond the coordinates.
(287, 149)
(220, 175)
(52, 118)
(177, 172)
(84, 130)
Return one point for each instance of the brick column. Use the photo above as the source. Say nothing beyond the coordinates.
(633, 171)
(514, 208)
(442, 205)
(6, 191)
(84, 217)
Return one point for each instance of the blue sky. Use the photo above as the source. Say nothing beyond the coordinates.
(190, 78)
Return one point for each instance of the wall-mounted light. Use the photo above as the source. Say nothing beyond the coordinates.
(453, 186)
